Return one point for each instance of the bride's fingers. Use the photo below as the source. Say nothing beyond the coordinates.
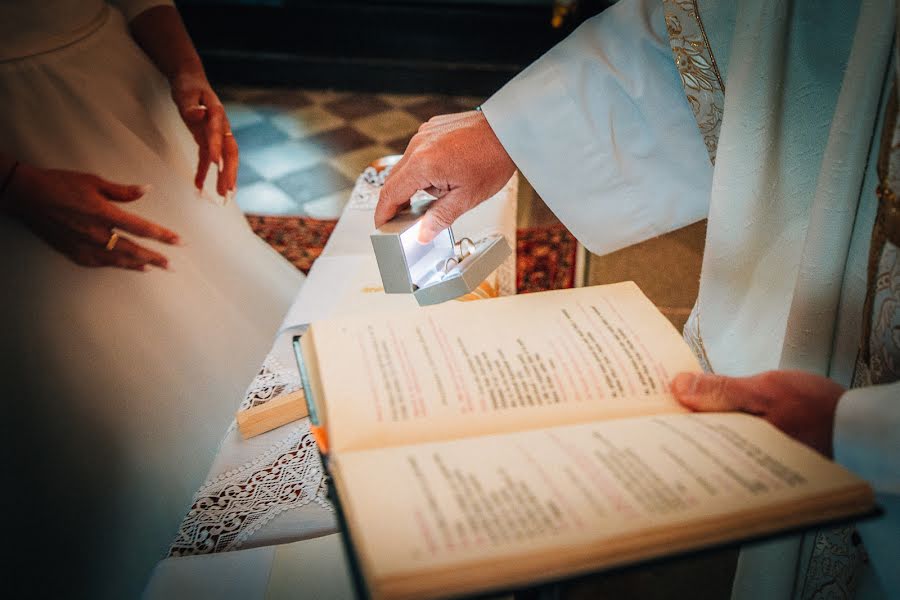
(85, 254)
(140, 254)
(119, 192)
(124, 255)
(98, 235)
(228, 176)
(116, 217)
(202, 165)
(215, 130)
(91, 230)
(114, 258)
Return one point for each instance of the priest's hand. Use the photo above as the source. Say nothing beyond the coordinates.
(800, 404)
(77, 214)
(456, 158)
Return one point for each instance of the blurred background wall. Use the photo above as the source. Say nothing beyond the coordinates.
(406, 46)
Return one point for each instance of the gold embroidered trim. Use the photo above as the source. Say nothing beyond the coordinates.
(888, 212)
(712, 58)
(697, 68)
(887, 200)
(705, 92)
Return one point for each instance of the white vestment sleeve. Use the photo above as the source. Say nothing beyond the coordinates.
(132, 8)
(867, 441)
(601, 127)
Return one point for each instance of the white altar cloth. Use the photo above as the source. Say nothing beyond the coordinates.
(315, 568)
(268, 490)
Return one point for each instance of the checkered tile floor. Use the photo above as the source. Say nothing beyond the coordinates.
(301, 150)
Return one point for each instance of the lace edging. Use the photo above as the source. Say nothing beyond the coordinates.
(229, 508)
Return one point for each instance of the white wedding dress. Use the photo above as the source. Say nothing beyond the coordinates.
(120, 384)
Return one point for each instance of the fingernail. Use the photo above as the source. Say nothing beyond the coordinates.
(229, 196)
(196, 107)
(221, 165)
(175, 240)
(144, 189)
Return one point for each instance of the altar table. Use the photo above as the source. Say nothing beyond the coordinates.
(269, 490)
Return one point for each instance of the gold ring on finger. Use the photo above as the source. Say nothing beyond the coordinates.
(112, 241)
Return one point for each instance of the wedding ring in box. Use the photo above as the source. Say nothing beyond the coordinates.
(438, 271)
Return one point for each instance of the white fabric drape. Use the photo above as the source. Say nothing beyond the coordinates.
(32, 27)
(593, 127)
(120, 384)
(601, 128)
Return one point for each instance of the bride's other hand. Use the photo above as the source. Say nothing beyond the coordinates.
(205, 116)
(161, 33)
(76, 214)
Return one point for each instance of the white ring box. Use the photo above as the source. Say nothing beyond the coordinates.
(409, 267)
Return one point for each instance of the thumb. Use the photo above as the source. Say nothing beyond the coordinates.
(441, 215)
(119, 192)
(708, 393)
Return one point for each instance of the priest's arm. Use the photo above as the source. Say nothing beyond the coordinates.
(600, 126)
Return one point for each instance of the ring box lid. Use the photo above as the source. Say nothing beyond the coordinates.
(407, 266)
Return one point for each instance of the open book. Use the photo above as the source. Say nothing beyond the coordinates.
(486, 445)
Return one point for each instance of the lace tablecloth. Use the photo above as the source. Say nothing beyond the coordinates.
(269, 489)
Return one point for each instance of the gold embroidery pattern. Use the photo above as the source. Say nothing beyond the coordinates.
(886, 230)
(697, 67)
(838, 555)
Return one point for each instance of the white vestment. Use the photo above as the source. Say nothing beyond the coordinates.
(119, 385)
(602, 128)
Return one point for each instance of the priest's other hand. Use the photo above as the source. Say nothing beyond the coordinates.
(798, 403)
(456, 158)
(76, 214)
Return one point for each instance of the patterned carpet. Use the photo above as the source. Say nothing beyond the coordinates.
(545, 256)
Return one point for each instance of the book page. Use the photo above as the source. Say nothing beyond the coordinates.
(579, 497)
(469, 368)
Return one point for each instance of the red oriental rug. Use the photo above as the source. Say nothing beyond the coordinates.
(545, 256)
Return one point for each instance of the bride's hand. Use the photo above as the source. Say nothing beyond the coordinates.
(77, 215)
(204, 115)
